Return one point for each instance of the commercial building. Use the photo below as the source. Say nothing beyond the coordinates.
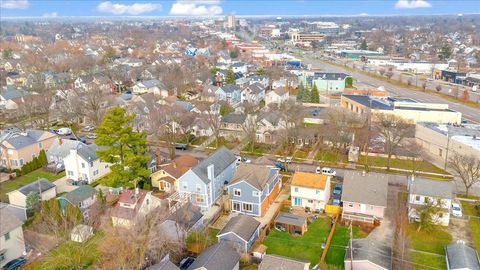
(409, 109)
(306, 36)
(326, 82)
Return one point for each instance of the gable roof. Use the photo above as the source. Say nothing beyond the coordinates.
(274, 262)
(242, 225)
(87, 152)
(8, 221)
(221, 159)
(230, 88)
(165, 264)
(217, 257)
(280, 91)
(461, 256)
(41, 185)
(373, 187)
(80, 194)
(187, 215)
(19, 140)
(180, 165)
(372, 251)
(62, 149)
(256, 88)
(431, 188)
(255, 174)
(234, 118)
(128, 197)
(287, 218)
(309, 180)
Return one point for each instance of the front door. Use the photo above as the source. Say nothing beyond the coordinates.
(298, 201)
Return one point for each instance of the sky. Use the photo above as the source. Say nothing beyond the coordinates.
(67, 8)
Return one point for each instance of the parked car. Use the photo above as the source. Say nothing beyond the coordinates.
(281, 166)
(88, 128)
(285, 160)
(329, 171)
(83, 140)
(318, 170)
(15, 264)
(456, 210)
(181, 146)
(337, 199)
(92, 136)
(338, 189)
(64, 131)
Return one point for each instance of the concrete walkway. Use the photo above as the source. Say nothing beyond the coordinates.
(63, 185)
(385, 232)
(283, 195)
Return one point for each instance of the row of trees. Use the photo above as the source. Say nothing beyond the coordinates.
(305, 95)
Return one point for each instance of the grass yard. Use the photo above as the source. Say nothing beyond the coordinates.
(199, 140)
(306, 248)
(431, 242)
(401, 164)
(223, 142)
(330, 156)
(340, 239)
(301, 154)
(258, 149)
(470, 210)
(23, 180)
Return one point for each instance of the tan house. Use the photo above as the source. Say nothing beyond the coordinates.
(18, 148)
(44, 188)
(165, 179)
(132, 205)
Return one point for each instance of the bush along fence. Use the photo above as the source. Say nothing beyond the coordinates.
(36, 163)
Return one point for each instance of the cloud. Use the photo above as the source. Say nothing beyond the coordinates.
(133, 9)
(410, 4)
(196, 7)
(50, 15)
(14, 4)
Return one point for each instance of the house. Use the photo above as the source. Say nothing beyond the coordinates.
(326, 82)
(240, 232)
(18, 148)
(460, 256)
(232, 125)
(164, 264)
(44, 188)
(60, 149)
(184, 218)
(310, 191)
(18, 211)
(269, 124)
(274, 262)
(82, 197)
(422, 191)
(262, 79)
(290, 223)
(132, 205)
(83, 164)
(277, 96)
(240, 67)
(366, 206)
(254, 93)
(204, 183)
(165, 179)
(368, 254)
(230, 93)
(150, 86)
(253, 188)
(217, 257)
(12, 243)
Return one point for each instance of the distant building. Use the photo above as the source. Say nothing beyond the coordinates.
(326, 82)
(306, 36)
(231, 22)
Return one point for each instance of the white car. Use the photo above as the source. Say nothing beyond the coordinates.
(91, 136)
(318, 170)
(328, 171)
(456, 210)
(285, 160)
(64, 131)
(88, 128)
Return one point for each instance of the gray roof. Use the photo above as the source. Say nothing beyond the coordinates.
(372, 251)
(286, 218)
(62, 150)
(80, 194)
(230, 88)
(256, 88)
(165, 264)
(273, 262)
(242, 225)
(370, 189)
(40, 185)
(221, 159)
(254, 174)
(8, 221)
(330, 76)
(461, 256)
(187, 215)
(11, 93)
(431, 188)
(217, 257)
(234, 118)
(272, 117)
(87, 152)
(150, 83)
(19, 139)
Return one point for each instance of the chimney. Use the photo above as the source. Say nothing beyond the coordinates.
(210, 172)
(60, 141)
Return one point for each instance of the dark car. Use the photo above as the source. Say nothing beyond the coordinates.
(337, 199)
(186, 262)
(338, 189)
(15, 264)
(180, 146)
(281, 166)
(83, 140)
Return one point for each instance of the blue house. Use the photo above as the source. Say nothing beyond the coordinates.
(253, 188)
(204, 183)
(240, 232)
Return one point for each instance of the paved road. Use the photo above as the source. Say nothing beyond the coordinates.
(469, 113)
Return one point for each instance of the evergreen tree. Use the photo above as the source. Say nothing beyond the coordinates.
(364, 45)
(315, 96)
(42, 157)
(300, 90)
(307, 96)
(445, 52)
(230, 78)
(122, 147)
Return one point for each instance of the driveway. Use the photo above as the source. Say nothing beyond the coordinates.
(63, 186)
(385, 232)
(460, 230)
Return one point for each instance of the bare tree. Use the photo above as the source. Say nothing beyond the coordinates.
(215, 123)
(415, 152)
(393, 130)
(95, 103)
(467, 167)
(250, 128)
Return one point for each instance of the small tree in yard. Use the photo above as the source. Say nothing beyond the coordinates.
(394, 130)
(307, 96)
(438, 88)
(467, 168)
(300, 91)
(230, 77)
(429, 214)
(315, 96)
(33, 202)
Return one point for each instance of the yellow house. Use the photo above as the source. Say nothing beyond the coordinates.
(165, 179)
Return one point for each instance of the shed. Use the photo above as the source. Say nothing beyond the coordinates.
(461, 256)
(81, 233)
(291, 223)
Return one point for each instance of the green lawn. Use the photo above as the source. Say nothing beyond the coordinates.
(330, 156)
(301, 154)
(340, 239)
(18, 182)
(470, 210)
(223, 142)
(199, 140)
(305, 248)
(258, 149)
(401, 164)
(428, 241)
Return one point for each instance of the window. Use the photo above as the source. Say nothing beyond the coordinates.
(350, 205)
(298, 201)
(310, 201)
(417, 198)
(83, 165)
(91, 164)
(296, 189)
(236, 206)
(14, 162)
(106, 166)
(440, 151)
(317, 191)
(200, 198)
(237, 192)
(185, 186)
(199, 188)
(247, 207)
(7, 236)
(40, 145)
(70, 173)
(21, 162)
(255, 193)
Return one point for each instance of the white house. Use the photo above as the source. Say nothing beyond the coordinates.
(133, 204)
(278, 96)
(150, 86)
(310, 190)
(423, 191)
(12, 244)
(44, 188)
(82, 164)
(253, 93)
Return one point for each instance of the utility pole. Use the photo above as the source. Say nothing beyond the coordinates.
(446, 150)
(351, 247)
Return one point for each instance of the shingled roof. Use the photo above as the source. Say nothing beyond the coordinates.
(242, 225)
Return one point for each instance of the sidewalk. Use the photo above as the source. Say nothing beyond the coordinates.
(283, 195)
